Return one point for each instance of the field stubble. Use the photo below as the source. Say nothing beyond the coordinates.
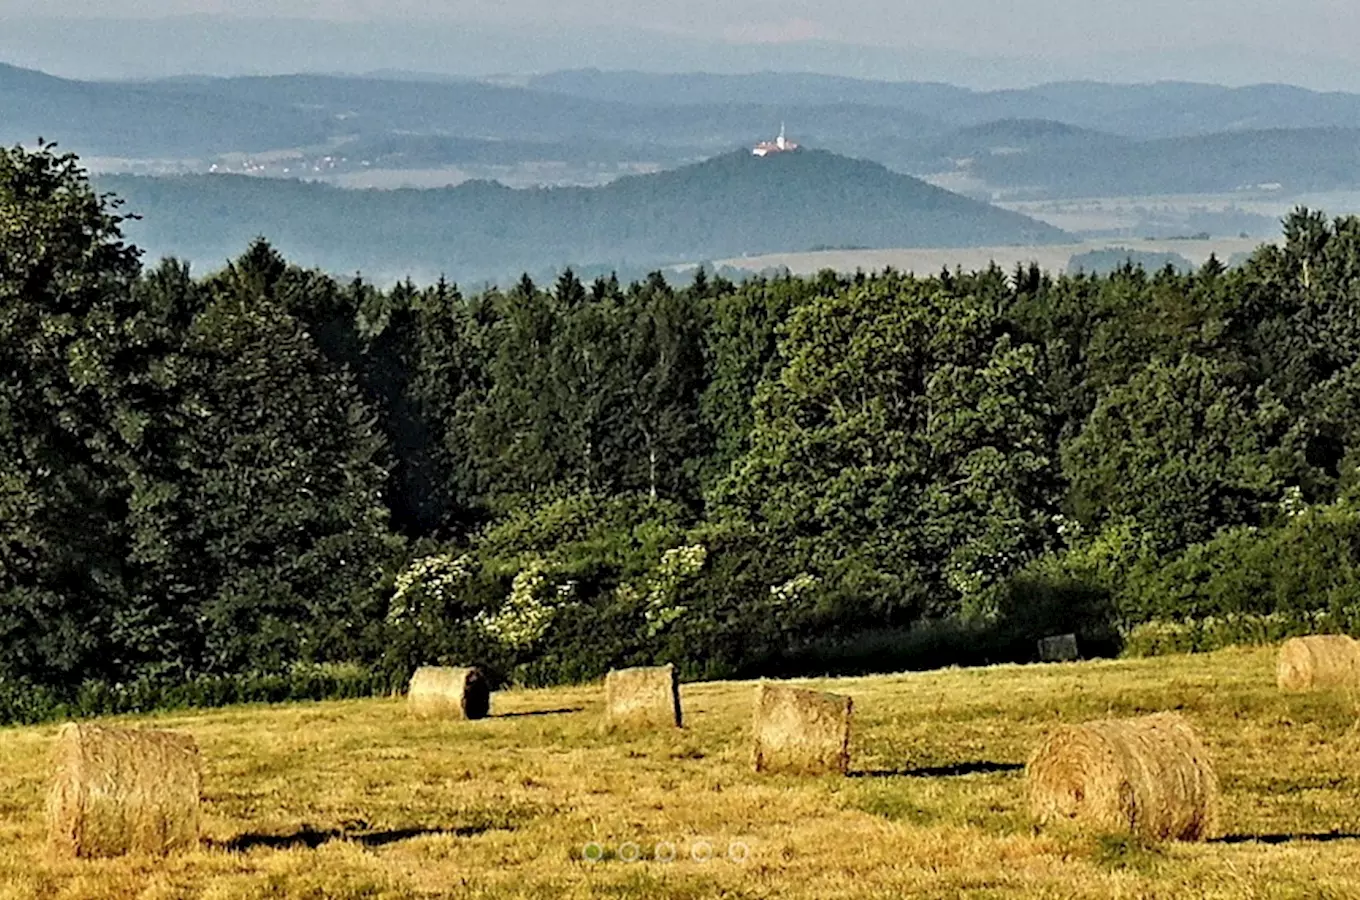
(357, 799)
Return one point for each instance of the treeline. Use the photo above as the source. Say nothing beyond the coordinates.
(266, 472)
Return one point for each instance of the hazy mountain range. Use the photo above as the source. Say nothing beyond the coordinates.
(1048, 143)
(1069, 139)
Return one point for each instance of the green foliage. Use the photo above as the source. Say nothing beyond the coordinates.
(206, 483)
(562, 591)
(1305, 566)
(1182, 448)
(1111, 259)
(193, 488)
(742, 344)
(902, 456)
(23, 702)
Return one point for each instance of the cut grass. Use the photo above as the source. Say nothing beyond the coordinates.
(356, 799)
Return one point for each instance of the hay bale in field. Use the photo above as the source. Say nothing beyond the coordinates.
(439, 691)
(801, 731)
(1149, 777)
(1317, 663)
(1059, 648)
(648, 696)
(116, 791)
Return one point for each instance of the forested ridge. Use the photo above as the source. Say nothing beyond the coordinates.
(726, 206)
(267, 482)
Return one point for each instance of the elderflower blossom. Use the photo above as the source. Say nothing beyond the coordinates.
(793, 590)
(657, 598)
(425, 588)
(526, 615)
(1293, 503)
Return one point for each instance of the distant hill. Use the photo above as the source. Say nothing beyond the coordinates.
(707, 89)
(728, 206)
(1160, 109)
(64, 38)
(1292, 161)
(1034, 138)
(157, 121)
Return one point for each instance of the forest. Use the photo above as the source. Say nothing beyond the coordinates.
(266, 482)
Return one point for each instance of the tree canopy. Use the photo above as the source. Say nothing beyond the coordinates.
(266, 466)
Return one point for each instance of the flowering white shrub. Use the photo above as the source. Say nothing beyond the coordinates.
(528, 613)
(656, 594)
(425, 589)
(795, 589)
(1293, 503)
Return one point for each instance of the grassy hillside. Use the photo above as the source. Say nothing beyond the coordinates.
(728, 206)
(356, 800)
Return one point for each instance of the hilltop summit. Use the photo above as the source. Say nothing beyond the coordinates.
(727, 206)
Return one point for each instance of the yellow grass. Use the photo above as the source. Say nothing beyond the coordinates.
(356, 799)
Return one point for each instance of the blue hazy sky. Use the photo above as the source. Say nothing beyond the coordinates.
(1017, 27)
(980, 43)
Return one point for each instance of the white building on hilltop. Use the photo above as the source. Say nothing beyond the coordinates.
(780, 144)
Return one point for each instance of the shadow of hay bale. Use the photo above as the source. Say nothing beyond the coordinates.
(956, 770)
(309, 837)
(1326, 837)
(564, 711)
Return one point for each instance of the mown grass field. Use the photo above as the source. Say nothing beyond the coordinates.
(354, 799)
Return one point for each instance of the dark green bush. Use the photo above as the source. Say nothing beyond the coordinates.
(1305, 566)
(25, 703)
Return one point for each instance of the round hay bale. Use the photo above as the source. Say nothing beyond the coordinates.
(437, 691)
(1150, 777)
(801, 731)
(1319, 662)
(116, 791)
(643, 697)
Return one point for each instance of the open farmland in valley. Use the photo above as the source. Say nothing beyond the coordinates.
(926, 262)
(358, 799)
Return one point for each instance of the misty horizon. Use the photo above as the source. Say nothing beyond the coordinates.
(204, 42)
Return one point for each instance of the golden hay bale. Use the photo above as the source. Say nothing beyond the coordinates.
(1150, 777)
(801, 731)
(1318, 662)
(648, 696)
(117, 791)
(1059, 648)
(449, 693)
